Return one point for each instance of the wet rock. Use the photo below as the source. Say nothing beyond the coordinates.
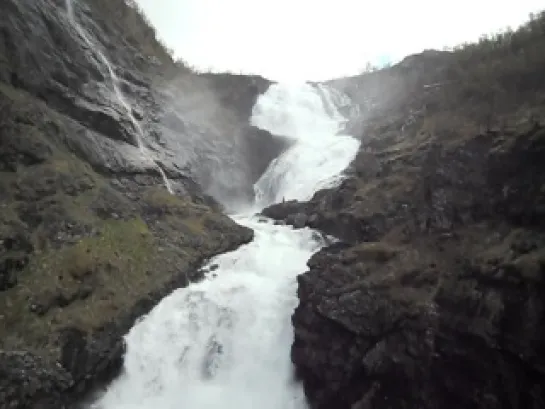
(9, 267)
(281, 211)
(90, 239)
(43, 302)
(261, 147)
(21, 151)
(99, 353)
(298, 220)
(14, 257)
(405, 328)
(435, 297)
(213, 354)
(26, 381)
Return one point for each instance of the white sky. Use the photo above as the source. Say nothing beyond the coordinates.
(321, 39)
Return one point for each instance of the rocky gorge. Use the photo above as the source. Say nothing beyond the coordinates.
(434, 296)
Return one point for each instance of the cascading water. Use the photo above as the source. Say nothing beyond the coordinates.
(119, 95)
(320, 155)
(225, 342)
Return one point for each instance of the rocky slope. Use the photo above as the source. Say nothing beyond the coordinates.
(89, 236)
(435, 296)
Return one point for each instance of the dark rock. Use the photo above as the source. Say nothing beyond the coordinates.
(14, 257)
(20, 149)
(38, 66)
(89, 238)
(9, 266)
(394, 331)
(92, 360)
(281, 211)
(298, 221)
(261, 147)
(28, 382)
(449, 189)
(436, 297)
(241, 91)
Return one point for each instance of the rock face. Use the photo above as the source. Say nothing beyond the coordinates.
(225, 153)
(435, 296)
(89, 237)
(191, 124)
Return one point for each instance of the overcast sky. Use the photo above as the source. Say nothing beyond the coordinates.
(321, 39)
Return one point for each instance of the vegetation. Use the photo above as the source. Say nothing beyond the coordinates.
(526, 42)
(127, 19)
(377, 252)
(502, 70)
(506, 42)
(74, 251)
(493, 85)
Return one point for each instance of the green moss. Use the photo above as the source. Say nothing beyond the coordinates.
(377, 252)
(90, 253)
(195, 225)
(8, 214)
(114, 266)
(539, 135)
(193, 216)
(158, 197)
(131, 23)
(106, 271)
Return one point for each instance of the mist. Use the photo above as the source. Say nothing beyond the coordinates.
(201, 131)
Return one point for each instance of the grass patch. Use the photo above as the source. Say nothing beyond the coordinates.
(377, 252)
(128, 19)
(113, 268)
(191, 215)
(86, 252)
(158, 198)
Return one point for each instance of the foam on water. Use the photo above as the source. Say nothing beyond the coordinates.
(225, 342)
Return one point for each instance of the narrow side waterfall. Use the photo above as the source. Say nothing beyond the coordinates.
(118, 94)
(225, 341)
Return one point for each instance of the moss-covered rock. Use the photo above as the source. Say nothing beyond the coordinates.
(82, 254)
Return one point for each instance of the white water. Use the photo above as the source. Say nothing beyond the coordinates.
(316, 161)
(147, 155)
(225, 342)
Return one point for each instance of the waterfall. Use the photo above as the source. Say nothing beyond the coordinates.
(224, 342)
(118, 94)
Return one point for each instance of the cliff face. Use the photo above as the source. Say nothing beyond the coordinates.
(191, 123)
(89, 236)
(435, 297)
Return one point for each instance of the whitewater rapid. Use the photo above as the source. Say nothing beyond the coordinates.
(225, 341)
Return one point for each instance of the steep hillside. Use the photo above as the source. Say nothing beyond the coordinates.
(435, 298)
(90, 238)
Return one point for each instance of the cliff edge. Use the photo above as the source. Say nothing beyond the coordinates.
(435, 296)
(94, 114)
